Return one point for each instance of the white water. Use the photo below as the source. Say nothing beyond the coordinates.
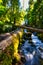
(29, 51)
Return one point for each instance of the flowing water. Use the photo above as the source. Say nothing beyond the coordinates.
(31, 51)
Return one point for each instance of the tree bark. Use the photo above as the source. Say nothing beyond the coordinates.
(5, 43)
(8, 40)
(31, 29)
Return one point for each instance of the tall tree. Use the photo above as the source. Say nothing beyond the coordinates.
(35, 14)
(10, 13)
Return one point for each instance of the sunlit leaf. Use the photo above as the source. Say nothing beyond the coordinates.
(0, 1)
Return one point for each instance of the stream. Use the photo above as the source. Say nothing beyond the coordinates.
(32, 49)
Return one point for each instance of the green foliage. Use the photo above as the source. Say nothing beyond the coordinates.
(35, 14)
(10, 14)
(2, 10)
(0, 1)
(20, 17)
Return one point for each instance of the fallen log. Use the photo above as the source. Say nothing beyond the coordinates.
(5, 43)
(4, 36)
(30, 28)
(8, 41)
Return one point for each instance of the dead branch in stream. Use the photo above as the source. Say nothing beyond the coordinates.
(31, 28)
(7, 41)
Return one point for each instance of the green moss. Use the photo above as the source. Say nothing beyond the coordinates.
(40, 36)
(7, 56)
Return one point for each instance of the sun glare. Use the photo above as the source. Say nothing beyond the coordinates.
(24, 4)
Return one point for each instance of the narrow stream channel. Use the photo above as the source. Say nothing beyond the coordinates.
(32, 51)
